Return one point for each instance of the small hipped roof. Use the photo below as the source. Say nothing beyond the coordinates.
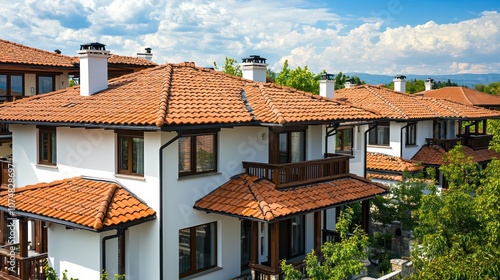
(79, 202)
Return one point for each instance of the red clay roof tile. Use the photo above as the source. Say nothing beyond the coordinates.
(181, 94)
(90, 203)
(379, 161)
(464, 96)
(397, 105)
(267, 203)
(433, 154)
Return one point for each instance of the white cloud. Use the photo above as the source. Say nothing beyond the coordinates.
(305, 33)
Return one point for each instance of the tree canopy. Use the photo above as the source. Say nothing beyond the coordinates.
(492, 88)
(340, 260)
(231, 66)
(459, 229)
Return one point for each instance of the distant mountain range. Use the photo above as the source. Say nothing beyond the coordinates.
(469, 80)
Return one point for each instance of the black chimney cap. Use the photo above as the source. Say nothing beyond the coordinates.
(57, 51)
(429, 80)
(93, 46)
(254, 58)
(399, 76)
(148, 50)
(326, 76)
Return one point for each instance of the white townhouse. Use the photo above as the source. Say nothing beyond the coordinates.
(414, 131)
(176, 172)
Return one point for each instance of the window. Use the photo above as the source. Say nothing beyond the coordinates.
(11, 85)
(380, 134)
(439, 129)
(131, 153)
(292, 146)
(45, 84)
(197, 154)
(344, 141)
(411, 134)
(292, 237)
(47, 150)
(197, 249)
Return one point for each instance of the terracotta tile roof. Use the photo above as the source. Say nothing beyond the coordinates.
(433, 154)
(92, 204)
(396, 105)
(463, 95)
(251, 197)
(391, 177)
(379, 161)
(19, 54)
(181, 94)
(120, 59)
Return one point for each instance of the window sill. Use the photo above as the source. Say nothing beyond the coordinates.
(132, 177)
(380, 146)
(411, 146)
(205, 272)
(48, 166)
(181, 178)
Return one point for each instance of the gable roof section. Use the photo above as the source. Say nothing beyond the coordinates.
(433, 154)
(80, 202)
(122, 60)
(379, 161)
(464, 96)
(250, 197)
(402, 106)
(181, 94)
(19, 54)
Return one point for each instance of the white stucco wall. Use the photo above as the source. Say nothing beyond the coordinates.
(424, 130)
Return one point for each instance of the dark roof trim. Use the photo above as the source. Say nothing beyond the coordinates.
(86, 125)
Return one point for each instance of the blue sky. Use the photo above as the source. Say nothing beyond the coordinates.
(377, 36)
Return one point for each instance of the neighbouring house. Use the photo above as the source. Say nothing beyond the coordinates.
(177, 172)
(465, 96)
(412, 123)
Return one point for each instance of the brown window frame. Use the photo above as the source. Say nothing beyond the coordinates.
(192, 244)
(49, 131)
(129, 135)
(375, 140)
(411, 137)
(38, 82)
(8, 76)
(193, 150)
(341, 134)
(440, 130)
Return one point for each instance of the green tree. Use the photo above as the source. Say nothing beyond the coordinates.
(340, 260)
(298, 78)
(403, 201)
(459, 229)
(231, 66)
(492, 88)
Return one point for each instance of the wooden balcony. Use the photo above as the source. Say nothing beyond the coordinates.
(23, 268)
(477, 142)
(446, 144)
(4, 173)
(299, 173)
(263, 272)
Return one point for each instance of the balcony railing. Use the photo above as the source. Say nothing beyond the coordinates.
(297, 173)
(29, 268)
(446, 144)
(477, 142)
(263, 272)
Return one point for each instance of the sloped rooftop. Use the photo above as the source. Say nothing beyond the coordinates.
(81, 202)
(433, 154)
(402, 106)
(248, 196)
(181, 94)
(379, 161)
(464, 96)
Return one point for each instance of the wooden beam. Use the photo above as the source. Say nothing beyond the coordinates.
(254, 242)
(121, 253)
(23, 247)
(274, 242)
(365, 215)
(317, 232)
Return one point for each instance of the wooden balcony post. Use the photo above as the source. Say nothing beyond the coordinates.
(121, 252)
(317, 232)
(254, 243)
(23, 247)
(365, 215)
(274, 241)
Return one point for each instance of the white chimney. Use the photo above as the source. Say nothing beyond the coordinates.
(327, 85)
(93, 68)
(254, 68)
(348, 84)
(400, 83)
(428, 84)
(148, 55)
